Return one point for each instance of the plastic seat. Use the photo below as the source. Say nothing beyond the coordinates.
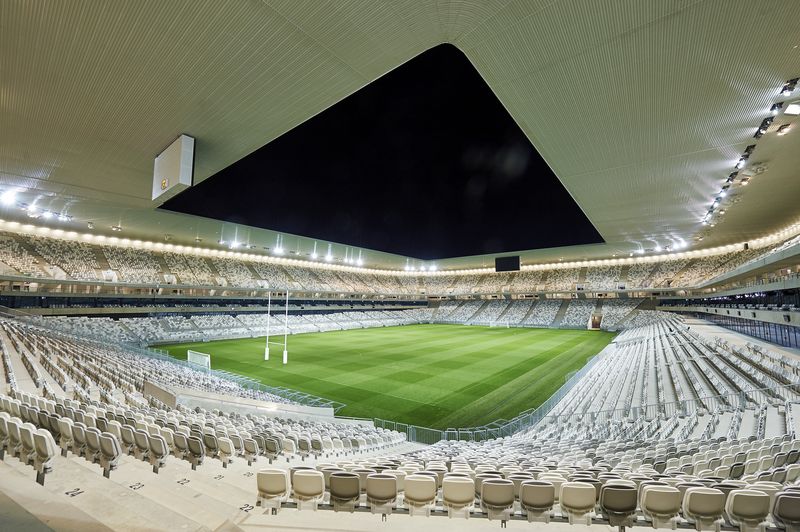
(142, 447)
(577, 501)
(747, 509)
(196, 451)
(158, 451)
(251, 450)
(618, 504)
(381, 493)
(65, 434)
(79, 438)
(92, 444)
(497, 498)
(110, 452)
(458, 495)
(420, 493)
(273, 488)
(661, 504)
(225, 451)
(345, 490)
(786, 510)
(45, 452)
(536, 498)
(308, 488)
(704, 507)
(27, 451)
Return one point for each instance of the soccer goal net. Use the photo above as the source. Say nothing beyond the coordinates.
(199, 359)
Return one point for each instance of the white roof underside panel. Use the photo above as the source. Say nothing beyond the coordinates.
(640, 108)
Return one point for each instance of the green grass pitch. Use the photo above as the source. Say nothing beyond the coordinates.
(437, 376)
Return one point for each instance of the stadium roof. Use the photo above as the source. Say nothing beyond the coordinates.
(641, 109)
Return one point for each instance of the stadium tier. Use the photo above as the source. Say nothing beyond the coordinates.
(49, 259)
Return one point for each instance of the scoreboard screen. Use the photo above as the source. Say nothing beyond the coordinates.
(506, 264)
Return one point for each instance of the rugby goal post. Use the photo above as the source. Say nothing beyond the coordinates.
(198, 359)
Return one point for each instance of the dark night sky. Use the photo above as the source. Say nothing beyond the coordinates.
(423, 162)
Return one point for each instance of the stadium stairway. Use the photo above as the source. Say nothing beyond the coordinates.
(479, 311)
(561, 312)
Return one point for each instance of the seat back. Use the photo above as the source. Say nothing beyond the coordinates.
(272, 482)
(661, 500)
(109, 446)
(308, 484)
(140, 437)
(344, 486)
(537, 495)
(195, 446)
(420, 489)
(498, 493)
(93, 439)
(44, 445)
(381, 488)
(618, 499)
(786, 511)
(458, 491)
(157, 445)
(179, 440)
(128, 438)
(26, 431)
(706, 503)
(749, 506)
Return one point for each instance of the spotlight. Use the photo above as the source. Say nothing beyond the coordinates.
(235, 244)
(278, 251)
(784, 129)
(116, 228)
(314, 256)
(432, 268)
(9, 197)
(359, 262)
(740, 163)
(33, 212)
(422, 268)
(328, 257)
(90, 225)
(47, 215)
(407, 268)
(789, 87)
(731, 177)
(776, 108)
(64, 217)
(764, 126)
(722, 193)
(221, 242)
(198, 239)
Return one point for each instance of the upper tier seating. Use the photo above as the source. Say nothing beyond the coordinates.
(79, 260)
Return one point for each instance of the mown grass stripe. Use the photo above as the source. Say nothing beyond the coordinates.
(429, 375)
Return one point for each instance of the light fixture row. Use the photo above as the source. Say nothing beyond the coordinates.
(776, 108)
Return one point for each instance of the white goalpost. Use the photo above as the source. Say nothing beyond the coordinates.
(285, 327)
(199, 359)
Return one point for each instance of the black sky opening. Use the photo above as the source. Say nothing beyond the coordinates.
(424, 162)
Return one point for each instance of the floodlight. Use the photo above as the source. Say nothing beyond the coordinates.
(9, 197)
